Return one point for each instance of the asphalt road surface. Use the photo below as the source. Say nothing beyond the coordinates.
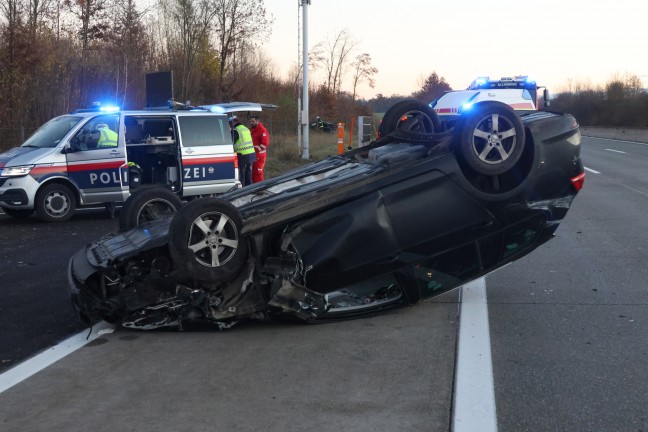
(568, 332)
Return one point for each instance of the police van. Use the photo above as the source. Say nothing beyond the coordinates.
(97, 157)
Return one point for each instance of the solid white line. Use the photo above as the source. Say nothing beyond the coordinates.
(591, 170)
(39, 362)
(618, 140)
(474, 397)
(616, 151)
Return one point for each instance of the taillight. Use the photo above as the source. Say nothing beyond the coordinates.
(578, 181)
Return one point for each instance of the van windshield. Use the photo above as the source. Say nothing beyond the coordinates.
(52, 132)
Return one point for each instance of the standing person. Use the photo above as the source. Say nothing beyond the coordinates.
(261, 140)
(244, 149)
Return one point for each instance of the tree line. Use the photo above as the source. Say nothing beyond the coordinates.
(59, 55)
(620, 102)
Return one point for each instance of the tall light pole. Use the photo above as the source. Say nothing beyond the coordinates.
(304, 113)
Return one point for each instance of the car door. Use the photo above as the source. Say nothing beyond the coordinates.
(207, 153)
(96, 162)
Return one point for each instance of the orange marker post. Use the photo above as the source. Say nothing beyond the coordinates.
(340, 138)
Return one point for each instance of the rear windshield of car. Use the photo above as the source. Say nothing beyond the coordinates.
(204, 131)
(52, 132)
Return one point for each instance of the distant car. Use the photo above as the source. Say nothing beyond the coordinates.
(420, 211)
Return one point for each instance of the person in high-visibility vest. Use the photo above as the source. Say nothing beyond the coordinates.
(107, 138)
(244, 149)
(261, 140)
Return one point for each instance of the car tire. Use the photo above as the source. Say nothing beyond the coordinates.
(18, 213)
(148, 204)
(490, 138)
(205, 240)
(410, 115)
(55, 203)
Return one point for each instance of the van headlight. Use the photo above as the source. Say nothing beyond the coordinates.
(17, 171)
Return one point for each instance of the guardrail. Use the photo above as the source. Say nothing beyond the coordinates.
(620, 133)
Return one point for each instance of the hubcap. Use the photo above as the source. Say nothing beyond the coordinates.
(213, 239)
(57, 204)
(494, 139)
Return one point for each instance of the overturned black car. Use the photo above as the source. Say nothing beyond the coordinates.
(422, 210)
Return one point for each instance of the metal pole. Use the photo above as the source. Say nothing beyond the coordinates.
(304, 119)
(299, 125)
(299, 105)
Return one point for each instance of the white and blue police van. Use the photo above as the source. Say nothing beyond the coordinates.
(100, 156)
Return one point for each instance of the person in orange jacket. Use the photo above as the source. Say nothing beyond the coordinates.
(261, 140)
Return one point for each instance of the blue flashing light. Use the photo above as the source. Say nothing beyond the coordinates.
(467, 106)
(217, 109)
(109, 108)
(481, 81)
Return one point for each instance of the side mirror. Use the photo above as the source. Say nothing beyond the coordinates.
(545, 96)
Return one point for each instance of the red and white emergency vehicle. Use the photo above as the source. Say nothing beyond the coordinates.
(519, 92)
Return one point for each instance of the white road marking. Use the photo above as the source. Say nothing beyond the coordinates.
(591, 170)
(39, 362)
(474, 396)
(633, 189)
(616, 151)
(617, 140)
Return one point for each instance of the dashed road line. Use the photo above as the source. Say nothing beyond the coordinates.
(591, 170)
(24, 370)
(616, 151)
(474, 396)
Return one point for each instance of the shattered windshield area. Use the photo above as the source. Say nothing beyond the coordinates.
(52, 132)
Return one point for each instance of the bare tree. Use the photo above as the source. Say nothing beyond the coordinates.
(363, 71)
(333, 56)
(194, 19)
(239, 23)
(131, 44)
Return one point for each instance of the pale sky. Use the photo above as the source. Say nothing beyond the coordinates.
(553, 41)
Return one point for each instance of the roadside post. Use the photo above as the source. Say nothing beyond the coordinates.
(340, 138)
(351, 134)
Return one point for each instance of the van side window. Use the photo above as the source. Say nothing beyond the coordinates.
(204, 131)
(100, 132)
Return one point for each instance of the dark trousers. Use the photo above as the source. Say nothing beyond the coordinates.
(245, 173)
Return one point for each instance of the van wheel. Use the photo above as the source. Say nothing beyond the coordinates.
(148, 204)
(205, 240)
(55, 203)
(18, 213)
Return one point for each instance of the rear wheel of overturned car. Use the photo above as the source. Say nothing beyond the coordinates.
(18, 213)
(410, 115)
(490, 138)
(205, 240)
(148, 204)
(55, 203)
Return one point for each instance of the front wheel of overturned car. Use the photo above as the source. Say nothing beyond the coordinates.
(148, 204)
(410, 115)
(490, 138)
(55, 203)
(205, 240)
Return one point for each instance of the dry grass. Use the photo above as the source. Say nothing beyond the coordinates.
(284, 155)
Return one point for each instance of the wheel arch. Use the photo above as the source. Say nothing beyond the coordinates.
(65, 181)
